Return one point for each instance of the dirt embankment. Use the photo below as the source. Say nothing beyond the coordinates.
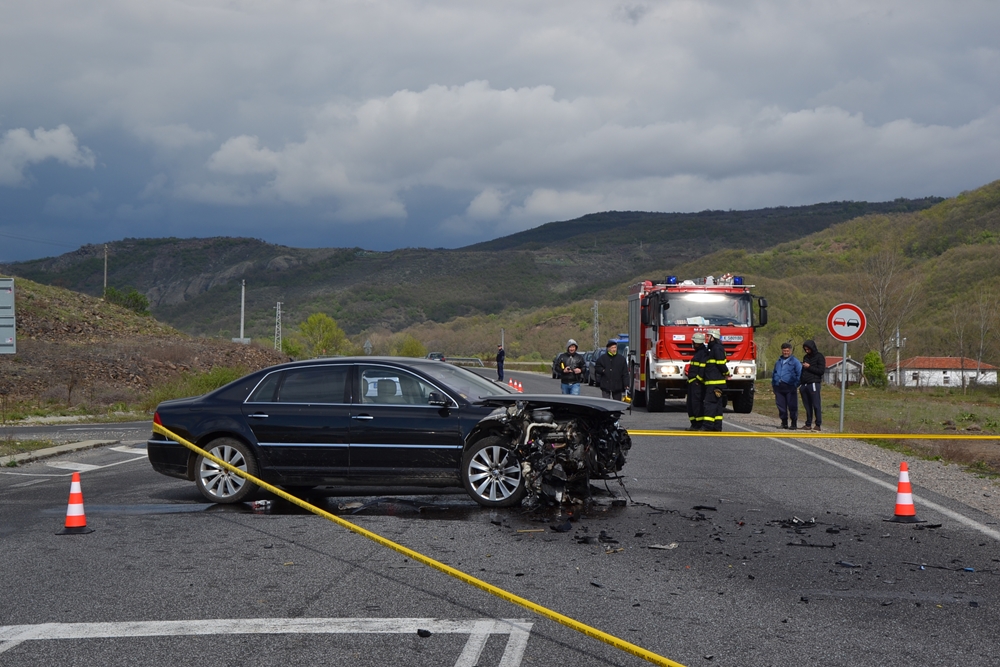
(72, 348)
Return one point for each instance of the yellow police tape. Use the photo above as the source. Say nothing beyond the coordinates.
(594, 633)
(815, 434)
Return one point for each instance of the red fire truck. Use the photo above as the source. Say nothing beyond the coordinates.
(662, 318)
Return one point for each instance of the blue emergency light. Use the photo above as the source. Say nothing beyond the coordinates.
(737, 280)
(671, 280)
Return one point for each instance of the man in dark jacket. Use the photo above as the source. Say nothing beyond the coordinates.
(696, 382)
(716, 372)
(501, 355)
(810, 383)
(569, 364)
(611, 372)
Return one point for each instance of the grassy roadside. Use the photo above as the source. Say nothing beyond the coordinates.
(188, 384)
(913, 411)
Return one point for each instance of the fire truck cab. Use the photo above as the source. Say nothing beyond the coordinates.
(663, 317)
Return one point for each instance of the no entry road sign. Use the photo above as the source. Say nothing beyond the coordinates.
(846, 322)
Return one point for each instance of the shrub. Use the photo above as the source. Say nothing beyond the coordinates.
(133, 300)
(874, 371)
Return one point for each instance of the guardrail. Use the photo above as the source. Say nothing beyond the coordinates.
(463, 361)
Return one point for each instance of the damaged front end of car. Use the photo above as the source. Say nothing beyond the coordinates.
(544, 449)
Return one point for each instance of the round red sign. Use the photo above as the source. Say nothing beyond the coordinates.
(846, 322)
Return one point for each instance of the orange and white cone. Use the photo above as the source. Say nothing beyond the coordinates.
(905, 510)
(76, 520)
(520, 387)
(510, 383)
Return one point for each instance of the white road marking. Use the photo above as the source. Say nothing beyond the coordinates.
(79, 467)
(28, 483)
(971, 523)
(70, 465)
(479, 630)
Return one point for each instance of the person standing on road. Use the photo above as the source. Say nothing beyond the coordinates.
(501, 355)
(784, 381)
(611, 372)
(810, 383)
(716, 373)
(570, 367)
(696, 382)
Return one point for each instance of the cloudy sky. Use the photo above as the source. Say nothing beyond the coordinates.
(393, 123)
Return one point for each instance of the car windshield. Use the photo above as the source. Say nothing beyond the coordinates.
(705, 308)
(467, 384)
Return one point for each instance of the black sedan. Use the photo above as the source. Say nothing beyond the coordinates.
(389, 422)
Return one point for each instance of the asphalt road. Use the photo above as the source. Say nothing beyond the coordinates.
(730, 552)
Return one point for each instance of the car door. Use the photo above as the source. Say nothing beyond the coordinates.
(301, 419)
(397, 437)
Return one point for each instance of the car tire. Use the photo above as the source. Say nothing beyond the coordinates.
(492, 474)
(219, 485)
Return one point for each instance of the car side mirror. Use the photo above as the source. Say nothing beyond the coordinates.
(437, 398)
(762, 302)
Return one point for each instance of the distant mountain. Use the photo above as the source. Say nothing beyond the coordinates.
(194, 284)
(688, 231)
(948, 255)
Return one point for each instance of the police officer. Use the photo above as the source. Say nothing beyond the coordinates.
(716, 372)
(696, 382)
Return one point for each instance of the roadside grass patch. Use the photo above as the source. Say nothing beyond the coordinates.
(192, 384)
(10, 446)
(919, 411)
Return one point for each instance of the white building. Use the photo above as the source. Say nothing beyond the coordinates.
(943, 372)
(835, 367)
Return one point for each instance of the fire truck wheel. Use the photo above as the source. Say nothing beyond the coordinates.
(655, 399)
(743, 403)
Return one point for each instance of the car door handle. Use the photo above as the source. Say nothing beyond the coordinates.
(257, 415)
(362, 417)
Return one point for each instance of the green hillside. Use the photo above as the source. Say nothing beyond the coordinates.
(195, 284)
(948, 255)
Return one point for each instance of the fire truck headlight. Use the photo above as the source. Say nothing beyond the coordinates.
(669, 370)
(743, 370)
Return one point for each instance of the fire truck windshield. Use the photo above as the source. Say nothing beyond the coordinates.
(706, 308)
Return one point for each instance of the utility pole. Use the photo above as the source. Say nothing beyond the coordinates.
(597, 330)
(900, 381)
(243, 302)
(105, 293)
(501, 337)
(277, 327)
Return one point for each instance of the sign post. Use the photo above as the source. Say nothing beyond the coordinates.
(8, 322)
(846, 322)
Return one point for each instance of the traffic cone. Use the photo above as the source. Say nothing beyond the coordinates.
(510, 383)
(905, 511)
(76, 520)
(520, 387)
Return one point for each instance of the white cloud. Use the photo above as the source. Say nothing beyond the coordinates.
(20, 149)
(517, 113)
(174, 136)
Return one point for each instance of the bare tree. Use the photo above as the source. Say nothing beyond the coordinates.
(885, 296)
(986, 308)
(959, 314)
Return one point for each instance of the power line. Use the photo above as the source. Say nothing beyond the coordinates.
(25, 238)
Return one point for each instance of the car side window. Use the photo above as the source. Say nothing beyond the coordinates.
(264, 393)
(315, 384)
(391, 386)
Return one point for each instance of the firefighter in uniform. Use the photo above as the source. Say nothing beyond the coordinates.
(696, 382)
(715, 376)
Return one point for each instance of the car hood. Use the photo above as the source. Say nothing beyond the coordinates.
(581, 403)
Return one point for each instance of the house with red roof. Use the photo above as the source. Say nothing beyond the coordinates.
(942, 372)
